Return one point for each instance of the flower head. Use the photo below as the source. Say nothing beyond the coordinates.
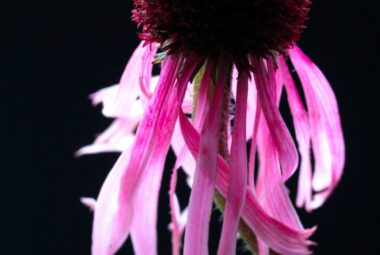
(215, 53)
(217, 27)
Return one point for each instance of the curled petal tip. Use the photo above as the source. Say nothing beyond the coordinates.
(89, 202)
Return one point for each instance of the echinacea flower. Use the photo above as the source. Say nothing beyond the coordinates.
(223, 71)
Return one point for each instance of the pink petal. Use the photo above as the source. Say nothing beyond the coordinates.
(252, 154)
(196, 235)
(145, 75)
(204, 96)
(238, 172)
(266, 93)
(270, 188)
(146, 202)
(175, 211)
(251, 108)
(326, 131)
(119, 135)
(107, 97)
(278, 236)
(144, 226)
(114, 209)
(302, 129)
(184, 158)
(129, 83)
(89, 202)
(116, 138)
(128, 89)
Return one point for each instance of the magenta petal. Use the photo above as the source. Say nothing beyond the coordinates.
(252, 153)
(107, 96)
(184, 158)
(203, 96)
(89, 202)
(263, 248)
(118, 137)
(144, 226)
(145, 75)
(266, 94)
(274, 197)
(128, 89)
(196, 234)
(175, 212)
(237, 186)
(326, 131)
(114, 208)
(302, 129)
(146, 201)
(279, 237)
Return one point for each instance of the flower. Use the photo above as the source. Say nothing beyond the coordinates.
(211, 54)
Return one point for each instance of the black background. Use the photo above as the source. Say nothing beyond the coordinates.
(54, 53)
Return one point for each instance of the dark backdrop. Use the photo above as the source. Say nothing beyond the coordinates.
(54, 53)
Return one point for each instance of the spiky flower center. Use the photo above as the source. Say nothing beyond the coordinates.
(212, 27)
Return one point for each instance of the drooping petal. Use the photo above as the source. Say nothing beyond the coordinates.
(196, 235)
(116, 138)
(146, 201)
(119, 135)
(302, 130)
(279, 237)
(107, 97)
(144, 226)
(238, 172)
(184, 157)
(175, 212)
(266, 94)
(114, 208)
(145, 75)
(128, 89)
(255, 115)
(108, 234)
(89, 202)
(326, 130)
(274, 197)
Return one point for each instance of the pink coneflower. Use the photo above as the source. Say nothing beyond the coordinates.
(214, 55)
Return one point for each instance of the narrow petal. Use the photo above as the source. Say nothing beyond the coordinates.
(175, 212)
(204, 96)
(302, 129)
(274, 197)
(145, 75)
(107, 97)
(279, 237)
(120, 134)
(281, 136)
(128, 89)
(89, 202)
(196, 235)
(146, 202)
(114, 209)
(118, 137)
(184, 158)
(263, 248)
(253, 117)
(144, 226)
(238, 172)
(327, 136)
